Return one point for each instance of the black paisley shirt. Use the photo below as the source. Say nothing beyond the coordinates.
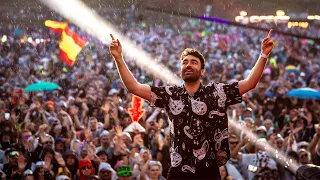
(198, 124)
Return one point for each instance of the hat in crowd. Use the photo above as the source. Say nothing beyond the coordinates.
(59, 139)
(104, 133)
(279, 137)
(39, 164)
(262, 128)
(128, 135)
(124, 171)
(248, 109)
(51, 103)
(62, 177)
(85, 163)
(143, 150)
(268, 115)
(249, 119)
(28, 172)
(302, 150)
(105, 166)
(112, 92)
(303, 145)
(62, 104)
(241, 105)
(40, 94)
(68, 153)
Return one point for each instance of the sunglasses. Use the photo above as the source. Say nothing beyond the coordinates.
(48, 142)
(303, 155)
(86, 167)
(26, 137)
(303, 147)
(233, 142)
(105, 172)
(14, 153)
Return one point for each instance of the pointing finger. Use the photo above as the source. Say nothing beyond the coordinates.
(270, 33)
(265, 40)
(112, 37)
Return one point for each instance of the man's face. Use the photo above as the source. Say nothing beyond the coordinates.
(13, 157)
(152, 133)
(268, 124)
(154, 171)
(70, 160)
(86, 170)
(303, 157)
(262, 133)
(191, 69)
(93, 124)
(103, 158)
(48, 156)
(279, 143)
(247, 114)
(59, 146)
(105, 174)
(105, 140)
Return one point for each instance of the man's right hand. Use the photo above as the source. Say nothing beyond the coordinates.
(115, 48)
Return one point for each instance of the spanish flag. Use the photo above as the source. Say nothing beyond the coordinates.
(70, 44)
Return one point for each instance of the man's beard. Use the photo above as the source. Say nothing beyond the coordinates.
(194, 77)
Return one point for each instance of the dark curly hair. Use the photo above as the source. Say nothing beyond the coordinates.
(195, 53)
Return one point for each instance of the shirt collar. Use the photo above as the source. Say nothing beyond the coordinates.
(200, 90)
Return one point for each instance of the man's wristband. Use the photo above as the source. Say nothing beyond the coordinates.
(263, 55)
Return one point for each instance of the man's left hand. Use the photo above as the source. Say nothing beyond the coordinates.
(267, 44)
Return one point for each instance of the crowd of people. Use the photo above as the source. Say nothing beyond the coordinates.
(78, 130)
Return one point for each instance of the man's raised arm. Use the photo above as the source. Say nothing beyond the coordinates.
(133, 86)
(252, 80)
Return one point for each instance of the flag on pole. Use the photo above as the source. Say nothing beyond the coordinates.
(70, 44)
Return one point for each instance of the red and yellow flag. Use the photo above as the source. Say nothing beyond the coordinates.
(70, 44)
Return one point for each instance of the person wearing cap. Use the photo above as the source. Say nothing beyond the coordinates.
(93, 127)
(49, 109)
(248, 113)
(303, 145)
(106, 172)
(28, 175)
(85, 169)
(124, 172)
(63, 177)
(126, 138)
(41, 173)
(268, 124)
(195, 104)
(262, 132)
(71, 160)
(105, 143)
(279, 142)
(59, 144)
(12, 168)
(304, 156)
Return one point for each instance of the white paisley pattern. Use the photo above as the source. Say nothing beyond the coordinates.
(199, 126)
